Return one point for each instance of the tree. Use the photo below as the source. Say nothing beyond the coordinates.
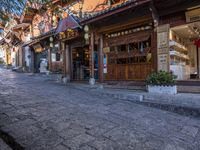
(14, 8)
(10, 9)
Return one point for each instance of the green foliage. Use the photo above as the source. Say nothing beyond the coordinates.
(161, 78)
(1, 61)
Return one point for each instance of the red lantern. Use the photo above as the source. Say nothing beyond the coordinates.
(197, 43)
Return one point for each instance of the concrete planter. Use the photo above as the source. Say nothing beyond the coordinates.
(162, 89)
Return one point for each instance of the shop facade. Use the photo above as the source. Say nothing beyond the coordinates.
(134, 41)
(75, 50)
(177, 33)
(125, 40)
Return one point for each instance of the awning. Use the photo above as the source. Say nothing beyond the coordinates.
(126, 39)
(67, 23)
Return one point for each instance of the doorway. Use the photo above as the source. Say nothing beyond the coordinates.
(80, 63)
(184, 54)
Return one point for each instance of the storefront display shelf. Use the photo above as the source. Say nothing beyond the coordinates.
(177, 46)
(178, 54)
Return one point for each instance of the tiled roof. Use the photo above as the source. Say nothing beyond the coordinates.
(67, 23)
(89, 16)
(46, 34)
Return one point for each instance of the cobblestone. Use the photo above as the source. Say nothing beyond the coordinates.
(3, 145)
(43, 115)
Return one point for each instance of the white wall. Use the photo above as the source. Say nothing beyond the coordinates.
(1, 53)
(27, 59)
(13, 57)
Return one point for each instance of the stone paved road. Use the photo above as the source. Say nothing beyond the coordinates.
(42, 115)
(3, 145)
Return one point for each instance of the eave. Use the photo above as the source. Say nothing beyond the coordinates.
(114, 10)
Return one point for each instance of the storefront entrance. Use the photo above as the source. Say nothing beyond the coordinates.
(128, 54)
(184, 54)
(80, 63)
(39, 58)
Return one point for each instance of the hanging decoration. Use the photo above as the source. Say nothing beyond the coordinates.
(197, 43)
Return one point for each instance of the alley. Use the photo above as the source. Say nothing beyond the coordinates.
(43, 115)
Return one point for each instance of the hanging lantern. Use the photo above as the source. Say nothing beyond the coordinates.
(51, 39)
(86, 28)
(197, 43)
(51, 44)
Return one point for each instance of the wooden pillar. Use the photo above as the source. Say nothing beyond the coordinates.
(50, 59)
(67, 61)
(154, 50)
(92, 55)
(197, 62)
(101, 63)
(64, 58)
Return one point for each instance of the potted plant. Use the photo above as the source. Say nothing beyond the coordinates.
(162, 82)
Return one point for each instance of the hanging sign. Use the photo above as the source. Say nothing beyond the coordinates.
(38, 48)
(193, 15)
(106, 49)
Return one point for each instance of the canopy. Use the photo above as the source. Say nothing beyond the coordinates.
(67, 23)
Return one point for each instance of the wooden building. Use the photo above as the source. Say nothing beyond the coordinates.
(135, 38)
(125, 40)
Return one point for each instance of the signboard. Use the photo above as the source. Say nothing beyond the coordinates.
(193, 15)
(106, 49)
(37, 47)
(69, 34)
(163, 47)
(53, 57)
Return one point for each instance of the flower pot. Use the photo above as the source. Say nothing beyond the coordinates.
(162, 89)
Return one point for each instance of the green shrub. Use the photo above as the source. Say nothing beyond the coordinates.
(161, 78)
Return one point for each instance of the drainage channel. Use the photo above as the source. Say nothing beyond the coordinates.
(10, 141)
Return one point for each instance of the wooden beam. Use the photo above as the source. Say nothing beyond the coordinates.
(125, 25)
(154, 14)
(179, 7)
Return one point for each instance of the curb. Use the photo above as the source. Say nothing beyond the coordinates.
(169, 102)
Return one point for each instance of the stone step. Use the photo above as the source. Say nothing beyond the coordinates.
(188, 89)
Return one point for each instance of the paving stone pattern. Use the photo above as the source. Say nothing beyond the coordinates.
(43, 115)
(4, 146)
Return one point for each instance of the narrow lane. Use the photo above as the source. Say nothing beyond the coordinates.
(42, 115)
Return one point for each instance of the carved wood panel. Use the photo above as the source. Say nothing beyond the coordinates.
(138, 71)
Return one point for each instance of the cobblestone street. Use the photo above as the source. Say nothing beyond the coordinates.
(40, 114)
